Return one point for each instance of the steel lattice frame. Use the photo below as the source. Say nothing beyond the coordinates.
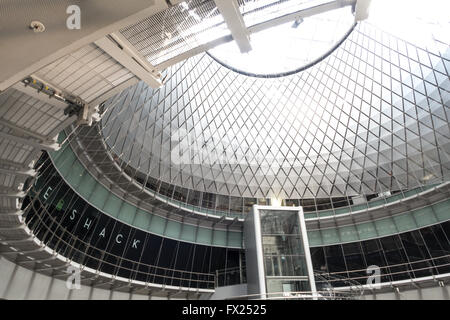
(371, 117)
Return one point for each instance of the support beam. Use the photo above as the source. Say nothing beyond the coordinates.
(362, 9)
(101, 282)
(11, 213)
(130, 61)
(301, 13)
(17, 166)
(235, 22)
(74, 105)
(12, 193)
(146, 290)
(222, 218)
(39, 95)
(121, 285)
(53, 267)
(14, 227)
(135, 54)
(27, 173)
(29, 142)
(13, 241)
(235, 220)
(23, 131)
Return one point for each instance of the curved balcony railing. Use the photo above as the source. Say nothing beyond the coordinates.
(84, 253)
(394, 272)
(370, 204)
(179, 199)
(350, 294)
(337, 208)
(356, 278)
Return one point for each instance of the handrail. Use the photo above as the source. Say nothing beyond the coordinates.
(344, 275)
(313, 214)
(302, 295)
(398, 265)
(409, 265)
(373, 204)
(210, 277)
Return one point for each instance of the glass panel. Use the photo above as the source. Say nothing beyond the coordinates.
(248, 203)
(287, 285)
(279, 222)
(209, 200)
(194, 197)
(284, 254)
(223, 203)
(236, 204)
(180, 194)
(286, 245)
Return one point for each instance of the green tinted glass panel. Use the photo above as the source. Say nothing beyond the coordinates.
(204, 236)
(112, 205)
(157, 225)
(99, 196)
(220, 238)
(385, 227)
(424, 216)
(442, 210)
(127, 213)
(325, 213)
(86, 186)
(142, 219)
(366, 230)
(173, 229)
(348, 234)
(235, 239)
(314, 238)
(75, 175)
(405, 222)
(65, 160)
(188, 232)
(330, 236)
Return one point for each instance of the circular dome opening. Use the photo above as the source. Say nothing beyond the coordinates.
(289, 47)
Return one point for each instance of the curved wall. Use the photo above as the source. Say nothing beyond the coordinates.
(86, 186)
(76, 230)
(361, 222)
